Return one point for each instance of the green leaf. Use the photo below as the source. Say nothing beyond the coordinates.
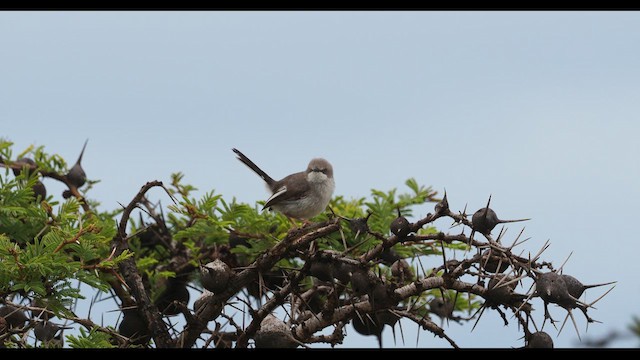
(93, 339)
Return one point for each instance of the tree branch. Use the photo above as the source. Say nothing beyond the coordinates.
(264, 262)
(53, 175)
(129, 271)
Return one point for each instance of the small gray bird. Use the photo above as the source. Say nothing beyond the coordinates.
(76, 174)
(301, 195)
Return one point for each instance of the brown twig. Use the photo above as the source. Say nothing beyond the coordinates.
(76, 238)
(128, 269)
(264, 262)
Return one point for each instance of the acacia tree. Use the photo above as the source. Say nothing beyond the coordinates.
(359, 263)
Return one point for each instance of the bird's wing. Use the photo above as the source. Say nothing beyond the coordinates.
(297, 186)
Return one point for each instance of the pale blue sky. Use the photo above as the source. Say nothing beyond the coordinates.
(539, 109)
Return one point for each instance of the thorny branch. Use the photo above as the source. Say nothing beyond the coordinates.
(277, 299)
(129, 271)
(263, 263)
(53, 175)
(305, 327)
(343, 303)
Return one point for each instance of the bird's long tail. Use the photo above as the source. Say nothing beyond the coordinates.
(245, 160)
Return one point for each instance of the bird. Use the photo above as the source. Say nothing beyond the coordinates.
(301, 195)
(76, 174)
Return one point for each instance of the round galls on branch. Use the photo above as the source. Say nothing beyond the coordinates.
(326, 269)
(386, 317)
(22, 162)
(400, 227)
(39, 190)
(215, 276)
(540, 340)
(76, 175)
(174, 290)
(552, 288)
(359, 225)
(498, 292)
(271, 280)
(4, 326)
(237, 240)
(363, 281)
(343, 271)
(134, 327)
(322, 269)
(151, 236)
(494, 262)
(442, 307)
(46, 330)
(484, 220)
(14, 316)
(389, 256)
(401, 271)
(42, 314)
(201, 302)
(381, 295)
(576, 288)
(442, 207)
(368, 324)
(274, 333)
